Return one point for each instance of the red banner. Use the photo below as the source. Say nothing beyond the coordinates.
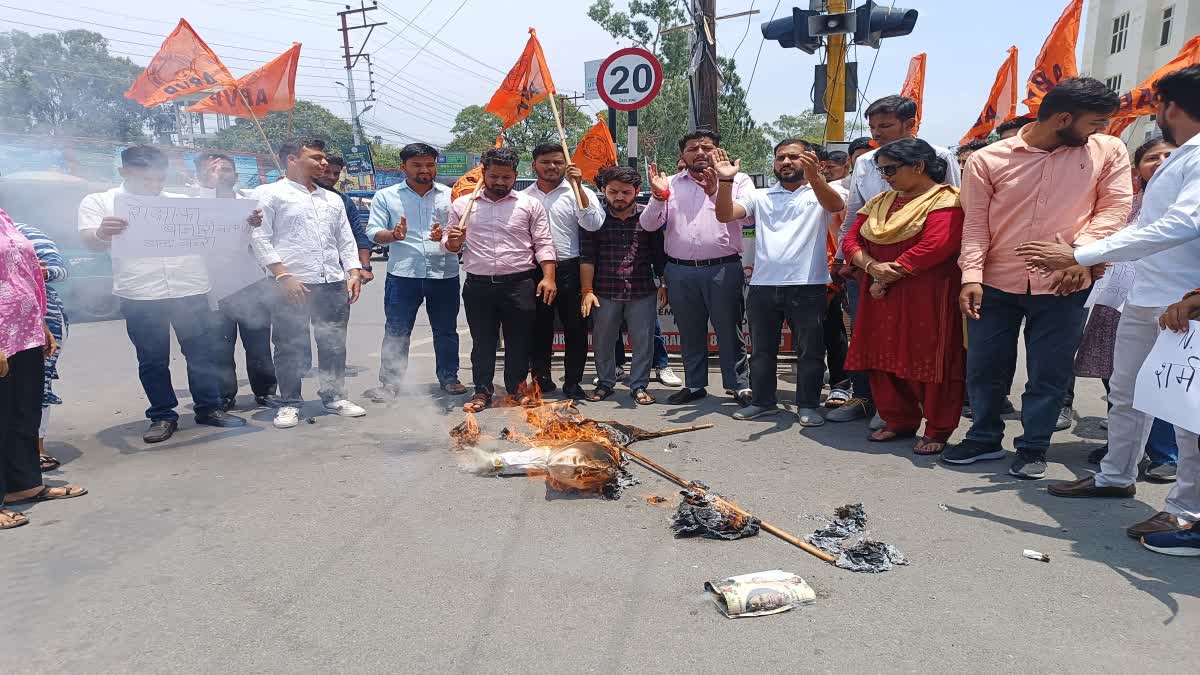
(914, 85)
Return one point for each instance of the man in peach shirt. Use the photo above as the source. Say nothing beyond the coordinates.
(1058, 176)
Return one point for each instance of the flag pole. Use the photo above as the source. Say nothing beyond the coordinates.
(562, 137)
(270, 150)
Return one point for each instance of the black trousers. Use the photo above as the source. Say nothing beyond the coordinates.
(248, 313)
(20, 417)
(836, 343)
(328, 310)
(575, 329)
(492, 308)
(803, 308)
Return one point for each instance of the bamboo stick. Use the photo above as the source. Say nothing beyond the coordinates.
(270, 150)
(562, 137)
(688, 485)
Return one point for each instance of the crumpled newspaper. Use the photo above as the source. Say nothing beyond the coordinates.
(760, 593)
(863, 556)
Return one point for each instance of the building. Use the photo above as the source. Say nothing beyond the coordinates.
(1127, 40)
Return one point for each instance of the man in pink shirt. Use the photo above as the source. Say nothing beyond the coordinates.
(504, 236)
(704, 267)
(1057, 176)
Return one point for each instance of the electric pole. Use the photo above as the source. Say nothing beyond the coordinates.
(835, 79)
(706, 81)
(345, 31)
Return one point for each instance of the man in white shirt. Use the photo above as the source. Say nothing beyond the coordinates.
(306, 244)
(567, 217)
(241, 293)
(791, 270)
(158, 294)
(891, 118)
(1165, 243)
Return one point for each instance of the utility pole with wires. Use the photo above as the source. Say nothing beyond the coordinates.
(706, 77)
(835, 79)
(345, 31)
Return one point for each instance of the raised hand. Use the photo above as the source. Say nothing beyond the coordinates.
(574, 174)
(725, 168)
(811, 165)
(435, 232)
(660, 183)
(400, 230)
(710, 180)
(255, 218)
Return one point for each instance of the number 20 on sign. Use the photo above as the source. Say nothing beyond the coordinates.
(629, 79)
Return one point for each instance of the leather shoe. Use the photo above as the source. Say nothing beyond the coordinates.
(1086, 487)
(686, 395)
(574, 391)
(546, 385)
(220, 418)
(1159, 522)
(160, 430)
(268, 401)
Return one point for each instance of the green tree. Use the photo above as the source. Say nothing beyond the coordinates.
(664, 121)
(475, 129)
(309, 120)
(67, 84)
(807, 125)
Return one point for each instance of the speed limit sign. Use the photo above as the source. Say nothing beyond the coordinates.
(629, 79)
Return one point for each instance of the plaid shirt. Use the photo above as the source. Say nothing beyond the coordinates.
(624, 255)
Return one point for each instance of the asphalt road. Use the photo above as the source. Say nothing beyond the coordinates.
(363, 545)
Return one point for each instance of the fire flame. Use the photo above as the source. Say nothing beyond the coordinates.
(467, 433)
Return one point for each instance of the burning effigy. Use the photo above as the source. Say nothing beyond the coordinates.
(573, 452)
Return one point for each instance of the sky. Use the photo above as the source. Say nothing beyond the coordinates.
(422, 82)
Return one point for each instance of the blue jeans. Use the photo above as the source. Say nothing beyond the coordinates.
(402, 297)
(860, 382)
(1053, 327)
(148, 324)
(660, 349)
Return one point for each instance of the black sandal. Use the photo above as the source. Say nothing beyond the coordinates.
(48, 463)
(44, 495)
(600, 393)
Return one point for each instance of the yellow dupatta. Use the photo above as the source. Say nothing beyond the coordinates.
(909, 220)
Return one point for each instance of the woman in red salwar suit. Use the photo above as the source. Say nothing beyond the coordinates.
(909, 332)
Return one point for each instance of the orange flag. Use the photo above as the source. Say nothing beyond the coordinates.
(914, 85)
(183, 65)
(1056, 61)
(467, 183)
(595, 151)
(1001, 103)
(527, 84)
(1143, 100)
(268, 89)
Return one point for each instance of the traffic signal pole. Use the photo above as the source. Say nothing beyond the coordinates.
(835, 80)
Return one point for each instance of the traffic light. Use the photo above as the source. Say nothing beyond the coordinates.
(792, 32)
(873, 23)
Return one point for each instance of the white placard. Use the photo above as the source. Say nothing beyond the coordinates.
(1166, 386)
(1113, 288)
(169, 226)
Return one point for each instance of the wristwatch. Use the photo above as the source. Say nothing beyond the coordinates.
(366, 268)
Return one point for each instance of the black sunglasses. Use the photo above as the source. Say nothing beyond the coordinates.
(890, 170)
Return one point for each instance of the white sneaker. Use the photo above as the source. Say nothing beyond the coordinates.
(668, 377)
(287, 417)
(345, 408)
